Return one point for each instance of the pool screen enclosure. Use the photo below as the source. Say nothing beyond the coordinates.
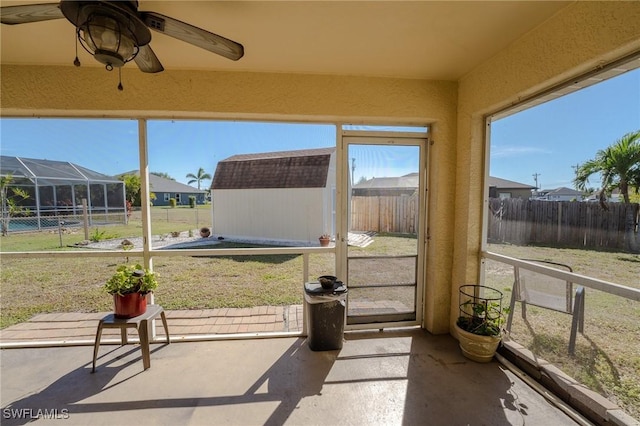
(56, 189)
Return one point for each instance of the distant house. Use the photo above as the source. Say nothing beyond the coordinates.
(386, 204)
(502, 188)
(614, 197)
(286, 196)
(165, 189)
(387, 186)
(560, 194)
(407, 184)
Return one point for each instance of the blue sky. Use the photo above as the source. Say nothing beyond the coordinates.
(548, 139)
(174, 147)
(552, 137)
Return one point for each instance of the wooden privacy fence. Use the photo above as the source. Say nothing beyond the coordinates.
(563, 223)
(397, 214)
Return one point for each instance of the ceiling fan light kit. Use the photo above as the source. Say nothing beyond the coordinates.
(108, 41)
(115, 32)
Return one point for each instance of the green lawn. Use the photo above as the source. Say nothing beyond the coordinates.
(164, 220)
(607, 356)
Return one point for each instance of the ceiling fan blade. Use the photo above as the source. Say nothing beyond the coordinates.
(147, 61)
(193, 35)
(25, 14)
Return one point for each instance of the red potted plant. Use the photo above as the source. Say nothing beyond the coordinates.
(129, 286)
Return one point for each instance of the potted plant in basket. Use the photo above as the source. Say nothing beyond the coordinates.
(479, 325)
(129, 286)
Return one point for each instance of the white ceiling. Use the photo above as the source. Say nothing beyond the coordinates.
(441, 40)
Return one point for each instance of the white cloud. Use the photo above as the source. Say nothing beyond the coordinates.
(516, 151)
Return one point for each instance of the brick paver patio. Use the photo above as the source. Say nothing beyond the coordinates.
(81, 327)
(65, 327)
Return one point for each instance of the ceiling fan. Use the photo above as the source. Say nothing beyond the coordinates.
(115, 32)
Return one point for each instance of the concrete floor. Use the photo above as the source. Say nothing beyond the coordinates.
(389, 378)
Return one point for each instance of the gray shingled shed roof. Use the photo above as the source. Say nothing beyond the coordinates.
(307, 168)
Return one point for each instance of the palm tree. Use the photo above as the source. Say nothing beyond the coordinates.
(198, 177)
(618, 165)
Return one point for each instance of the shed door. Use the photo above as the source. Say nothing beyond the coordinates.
(385, 199)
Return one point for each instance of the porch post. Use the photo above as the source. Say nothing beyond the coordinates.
(144, 195)
(146, 214)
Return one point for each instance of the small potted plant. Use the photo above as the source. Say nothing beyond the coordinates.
(325, 239)
(479, 325)
(129, 286)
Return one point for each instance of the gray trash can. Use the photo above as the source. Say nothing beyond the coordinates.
(326, 310)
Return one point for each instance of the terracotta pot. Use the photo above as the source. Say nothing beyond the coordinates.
(477, 348)
(324, 242)
(129, 305)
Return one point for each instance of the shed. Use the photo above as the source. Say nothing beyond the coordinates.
(286, 196)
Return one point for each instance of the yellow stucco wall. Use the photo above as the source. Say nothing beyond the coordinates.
(91, 90)
(578, 39)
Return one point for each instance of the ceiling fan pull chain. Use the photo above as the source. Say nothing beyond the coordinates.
(76, 61)
(120, 88)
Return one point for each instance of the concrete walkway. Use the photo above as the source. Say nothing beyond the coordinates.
(195, 326)
(378, 378)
